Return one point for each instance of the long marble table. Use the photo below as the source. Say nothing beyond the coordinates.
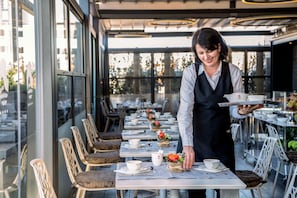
(160, 178)
(145, 149)
(146, 134)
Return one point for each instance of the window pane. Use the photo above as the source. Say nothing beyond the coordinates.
(79, 94)
(121, 65)
(61, 36)
(237, 58)
(159, 64)
(64, 99)
(76, 58)
(130, 86)
(179, 61)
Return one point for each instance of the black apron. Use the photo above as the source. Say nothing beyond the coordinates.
(211, 122)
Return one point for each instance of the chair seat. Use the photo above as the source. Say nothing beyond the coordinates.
(96, 179)
(103, 158)
(111, 145)
(110, 135)
(292, 156)
(250, 178)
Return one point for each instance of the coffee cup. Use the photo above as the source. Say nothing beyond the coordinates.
(134, 143)
(157, 158)
(171, 120)
(134, 165)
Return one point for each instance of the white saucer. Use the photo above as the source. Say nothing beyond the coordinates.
(128, 146)
(203, 168)
(126, 171)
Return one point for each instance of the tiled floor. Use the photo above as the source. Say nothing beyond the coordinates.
(241, 163)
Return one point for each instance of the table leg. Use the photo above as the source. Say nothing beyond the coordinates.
(225, 193)
(163, 193)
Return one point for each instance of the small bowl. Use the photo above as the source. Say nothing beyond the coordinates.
(211, 163)
(282, 119)
(236, 97)
(134, 165)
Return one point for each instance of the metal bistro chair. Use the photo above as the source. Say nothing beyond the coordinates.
(255, 178)
(13, 186)
(279, 153)
(96, 145)
(93, 180)
(291, 191)
(111, 116)
(93, 159)
(103, 136)
(43, 180)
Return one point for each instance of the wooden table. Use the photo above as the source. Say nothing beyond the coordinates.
(160, 178)
(146, 148)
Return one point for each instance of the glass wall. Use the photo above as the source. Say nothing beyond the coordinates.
(155, 73)
(71, 80)
(17, 91)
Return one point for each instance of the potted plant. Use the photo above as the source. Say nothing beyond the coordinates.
(163, 139)
(175, 162)
(156, 125)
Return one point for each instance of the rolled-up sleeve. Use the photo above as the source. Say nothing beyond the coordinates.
(185, 111)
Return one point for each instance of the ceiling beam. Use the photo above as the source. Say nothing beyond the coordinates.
(195, 13)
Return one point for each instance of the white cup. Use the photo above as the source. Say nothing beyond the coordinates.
(133, 165)
(134, 143)
(134, 121)
(157, 115)
(171, 120)
(157, 158)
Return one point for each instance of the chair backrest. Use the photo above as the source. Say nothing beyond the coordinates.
(278, 148)
(264, 158)
(72, 164)
(43, 180)
(104, 108)
(165, 101)
(92, 122)
(80, 146)
(23, 165)
(234, 130)
(91, 136)
(292, 188)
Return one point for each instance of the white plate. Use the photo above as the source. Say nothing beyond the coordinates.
(227, 104)
(134, 132)
(128, 146)
(203, 168)
(126, 171)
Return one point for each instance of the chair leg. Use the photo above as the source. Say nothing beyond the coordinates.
(259, 193)
(106, 125)
(252, 192)
(289, 176)
(275, 177)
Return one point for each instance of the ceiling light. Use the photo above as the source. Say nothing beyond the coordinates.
(173, 22)
(275, 20)
(268, 1)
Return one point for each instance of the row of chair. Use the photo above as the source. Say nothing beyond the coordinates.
(91, 179)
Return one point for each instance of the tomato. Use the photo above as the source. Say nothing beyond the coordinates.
(161, 135)
(173, 157)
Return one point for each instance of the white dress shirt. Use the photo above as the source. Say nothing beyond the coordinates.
(185, 112)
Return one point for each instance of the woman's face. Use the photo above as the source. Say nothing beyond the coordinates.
(208, 57)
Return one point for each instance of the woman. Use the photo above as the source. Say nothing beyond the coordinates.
(203, 125)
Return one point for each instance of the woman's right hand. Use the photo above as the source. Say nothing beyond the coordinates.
(189, 157)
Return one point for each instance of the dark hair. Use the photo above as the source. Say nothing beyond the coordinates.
(210, 39)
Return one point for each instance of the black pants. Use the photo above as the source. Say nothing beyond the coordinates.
(200, 193)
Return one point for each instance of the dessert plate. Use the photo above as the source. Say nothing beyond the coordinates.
(217, 170)
(126, 171)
